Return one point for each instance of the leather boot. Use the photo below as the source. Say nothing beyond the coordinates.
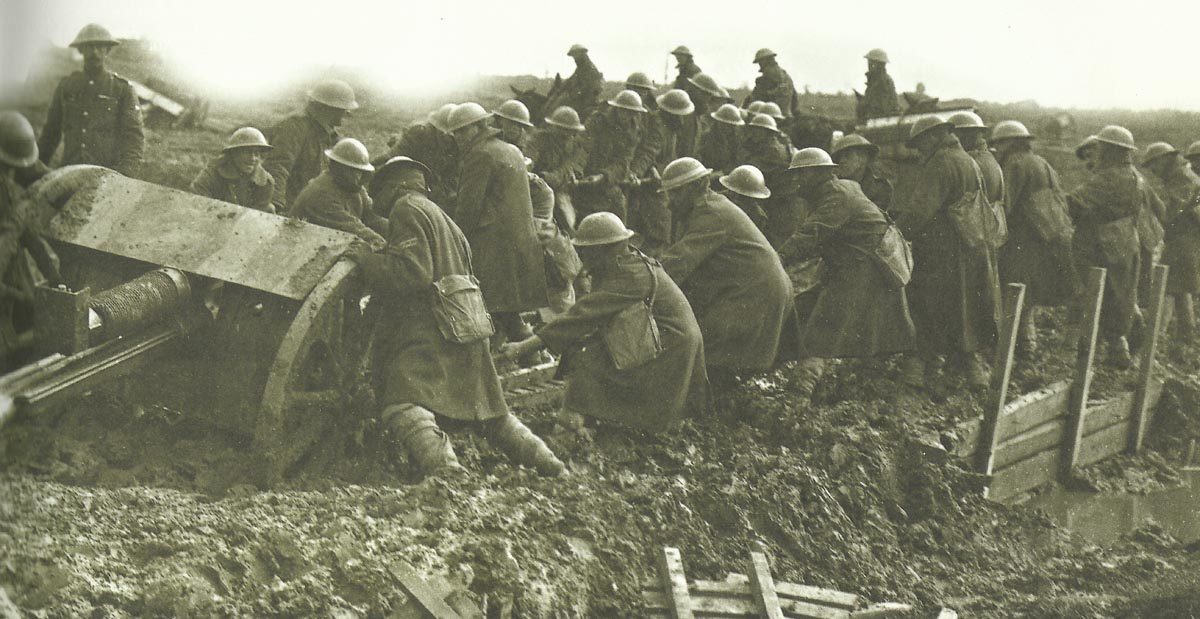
(978, 377)
(1118, 353)
(524, 447)
(912, 371)
(808, 372)
(1027, 336)
(416, 429)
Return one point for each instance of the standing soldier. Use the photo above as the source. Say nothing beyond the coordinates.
(859, 311)
(424, 373)
(1087, 150)
(613, 137)
(969, 129)
(1038, 251)
(1182, 230)
(731, 275)
(746, 188)
(879, 99)
(762, 148)
(687, 67)
(855, 157)
(1105, 208)
(774, 84)
(954, 293)
(237, 176)
(512, 119)
(580, 91)
(648, 213)
(559, 155)
(338, 198)
(301, 138)
(94, 112)
(429, 142)
(721, 143)
(495, 213)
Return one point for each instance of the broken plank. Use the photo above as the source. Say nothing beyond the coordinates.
(725, 605)
(674, 583)
(420, 590)
(739, 584)
(762, 586)
(883, 610)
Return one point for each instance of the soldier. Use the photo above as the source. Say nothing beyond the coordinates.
(721, 144)
(653, 395)
(705, 93)
(338, 198)
(879, 99)
(562, 263)
(858, 312)
(559, 156)
(301, 138)
(745, 187)
(774, 84)
(762, 148)
(581, 91)
(1038, 253)
(1182, 230)
(1087, 150)
(423, 374)
(731, 275)
(648, 213)
(855, 159)
(237, 176)
(770, 108)
(687, 67)
(1105, 208)
(613, 137)
(969, 129)
(18, 239)
(512, 119)
(495, 213)
(94, 112)
(431, 143)
(954, 293)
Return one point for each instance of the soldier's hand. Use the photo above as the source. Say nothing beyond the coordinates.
(357, 249)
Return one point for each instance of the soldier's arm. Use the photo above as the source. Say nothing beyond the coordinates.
(590, 314)
(202, 184)
(373, 220)
(406, 264)
(477, 175)
(647, 149)
(816, 229)
(681, 259)
(326, 211)
(261, 196)
(131, 139)
(278, 163)
(922, 204)
(10, 245)
(52, 130)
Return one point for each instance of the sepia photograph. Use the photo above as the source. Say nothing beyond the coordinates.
(529, 309)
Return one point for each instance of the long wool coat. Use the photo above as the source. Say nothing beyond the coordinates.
(1182, 223)
(300, 141)
(1045, 268)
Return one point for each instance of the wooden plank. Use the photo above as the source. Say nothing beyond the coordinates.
(1025, 475)
(422, 592)
(723, 605)
(739, 584)
(1014, 299)
(1106, 443)
(527, 377)
(1084, 367)
(762, 586)
(1141, 398)
(1025, 412)
(1049, 435)
(674, 583)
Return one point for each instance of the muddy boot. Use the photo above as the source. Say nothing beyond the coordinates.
(1118, 354)
(978, 377)
(1027, 336)
(416, 429)
(517, 441)
(912, 371)
(808, 372)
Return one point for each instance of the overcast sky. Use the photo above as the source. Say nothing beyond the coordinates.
(1087, 54)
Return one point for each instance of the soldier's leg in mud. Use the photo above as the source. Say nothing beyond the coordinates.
(1027, 336)
(520, 444)
(415, 429)
(808, 372)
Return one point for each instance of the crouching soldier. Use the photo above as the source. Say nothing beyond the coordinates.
(861, 309)
(619, 371)
(337, 199)
(237, 176)
(434, 358)
(562, 262)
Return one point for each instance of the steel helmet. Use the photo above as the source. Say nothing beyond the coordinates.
(770, 108)
(639, 80)
(1087, 143)
(854, 140)
(763, 121)
(705, 82)
(682, 50)
(628, 100)
(439, 117)
(746, 180)
(567, 118)
(1193, 150)
(1117, 136)
(576, 49)
(350, 152)
(247, 137)
(763, 54)
(515, 111)
(967, 120)
(676, 102)
(878, 55)
(394, 165)
(681, 172)
(728, 113)
(924, 125)
(18, 143)
(94, 34)
(811, 157)
(601, 228)
(1010, 130)
(466, 114)
(334, 93)
(1156, 150)
(755, 107)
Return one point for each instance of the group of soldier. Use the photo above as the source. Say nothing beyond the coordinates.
(669, 244)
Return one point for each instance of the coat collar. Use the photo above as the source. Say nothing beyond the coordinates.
(226, 171)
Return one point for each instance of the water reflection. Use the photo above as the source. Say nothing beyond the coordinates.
(1103, 517)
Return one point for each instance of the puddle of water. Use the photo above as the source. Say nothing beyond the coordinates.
(1102, 518)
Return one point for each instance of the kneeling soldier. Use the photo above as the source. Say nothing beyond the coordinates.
(237, 176)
